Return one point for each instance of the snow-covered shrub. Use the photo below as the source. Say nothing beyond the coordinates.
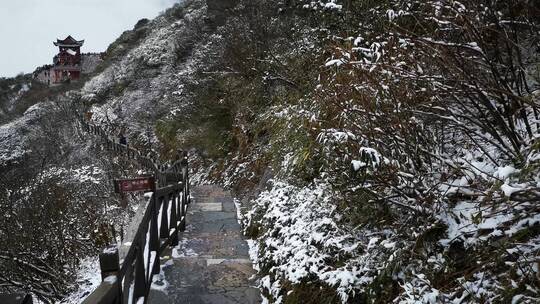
(420, 130)
(301, 240)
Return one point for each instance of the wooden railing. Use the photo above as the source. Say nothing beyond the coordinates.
(129, 280)
(164, 173)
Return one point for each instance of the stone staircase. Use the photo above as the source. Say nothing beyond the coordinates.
(211, 264)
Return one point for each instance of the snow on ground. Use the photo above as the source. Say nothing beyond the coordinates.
(88, 279)
(183, 248)
(12, 147)
(150, 76)
(14, 135)
(159, 282)
(302, 240)
(83, 174)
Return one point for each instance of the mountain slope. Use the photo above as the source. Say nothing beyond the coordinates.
(381, 151)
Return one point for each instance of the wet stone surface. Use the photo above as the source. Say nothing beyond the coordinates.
(211, 264)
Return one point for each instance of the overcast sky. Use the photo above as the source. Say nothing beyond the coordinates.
(28, 27)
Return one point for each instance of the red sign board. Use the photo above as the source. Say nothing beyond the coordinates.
(135, 184)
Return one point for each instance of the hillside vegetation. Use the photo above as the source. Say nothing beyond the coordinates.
(381, 151)
(403, 141)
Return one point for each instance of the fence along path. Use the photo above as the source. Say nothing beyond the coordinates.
(129, 280)
(163, 172)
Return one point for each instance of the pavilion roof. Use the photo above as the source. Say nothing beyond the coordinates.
(69, 41)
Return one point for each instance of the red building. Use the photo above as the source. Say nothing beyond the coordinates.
(67, 64)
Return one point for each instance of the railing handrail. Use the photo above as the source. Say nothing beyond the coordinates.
(160, 170)
(157, 229)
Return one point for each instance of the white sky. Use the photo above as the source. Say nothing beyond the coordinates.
(28, 27)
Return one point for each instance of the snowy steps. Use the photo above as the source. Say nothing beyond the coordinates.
(211, 264)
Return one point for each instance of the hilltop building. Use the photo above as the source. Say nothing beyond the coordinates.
(68, 64)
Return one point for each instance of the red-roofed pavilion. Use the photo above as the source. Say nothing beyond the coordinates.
(67, 64)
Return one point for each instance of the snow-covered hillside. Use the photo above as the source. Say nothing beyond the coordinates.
(380, 151)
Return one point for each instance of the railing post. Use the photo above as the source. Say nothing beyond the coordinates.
(154, 233)
(174, 220)
(182, 204)
(179, 209)
(185, 177)
(109, 262)
(139, 288)
(164, 229)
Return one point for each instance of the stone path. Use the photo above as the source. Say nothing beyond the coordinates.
(211, 263)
